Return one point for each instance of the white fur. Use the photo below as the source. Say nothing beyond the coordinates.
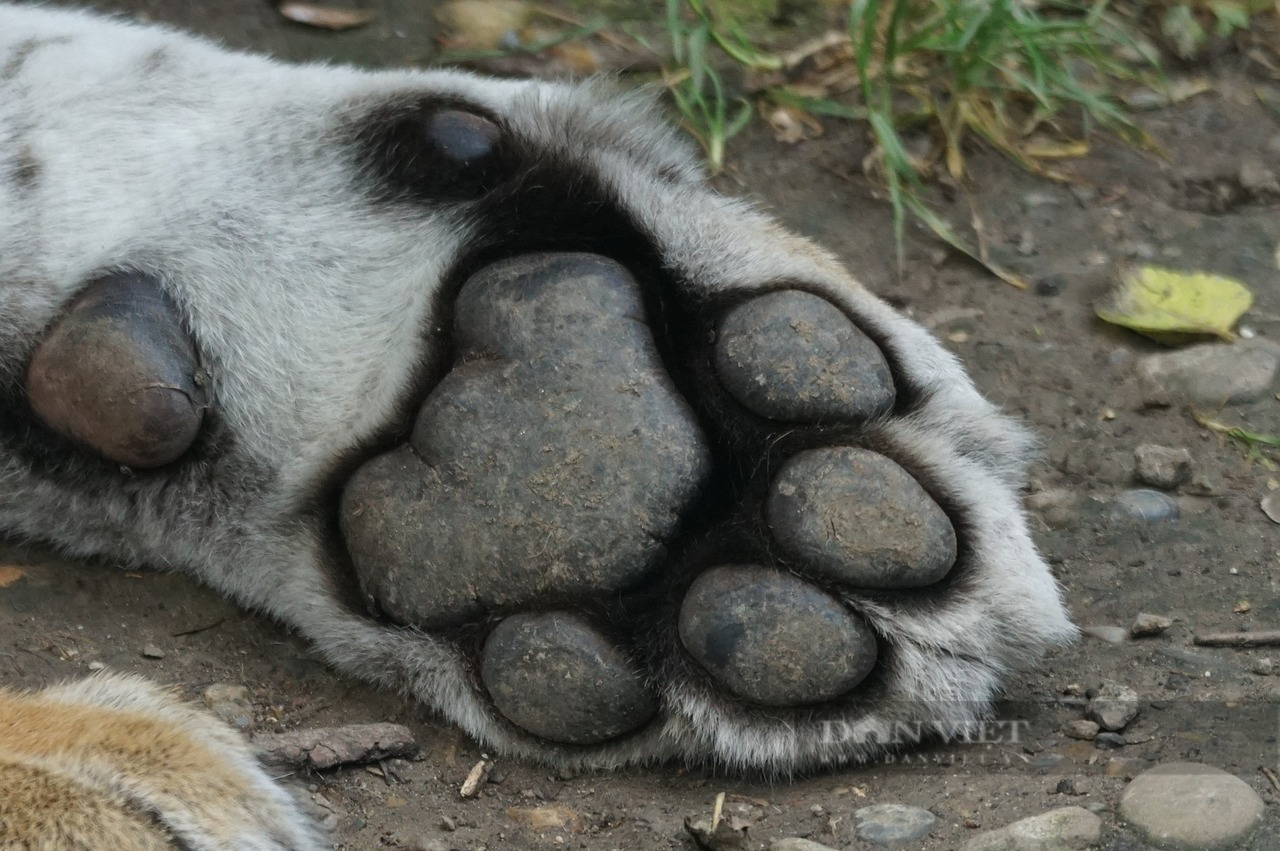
(220, 173)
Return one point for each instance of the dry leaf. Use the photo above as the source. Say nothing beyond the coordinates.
(791, 125)
(1271, 506)
(1241, 607)
(325, 17)
(1171, 307)
(10, 575)
(1050, 149)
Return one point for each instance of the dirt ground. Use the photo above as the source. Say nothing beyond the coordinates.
(1040, 353)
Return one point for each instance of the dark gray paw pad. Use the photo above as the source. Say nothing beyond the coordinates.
(794, 356)
(118, 374)
(552, 462)
(555, 676)
(859, 518)
(773, 638)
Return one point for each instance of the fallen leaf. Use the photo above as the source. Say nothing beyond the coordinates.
(546, 818)
(485, 24)
(1242, 607)
(1174, 307)
(325, 17)
(10, 575)
(1051, 149)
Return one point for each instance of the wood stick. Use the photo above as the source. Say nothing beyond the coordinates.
(1259, 638)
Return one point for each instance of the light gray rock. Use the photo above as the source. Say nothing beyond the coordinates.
(794, 844)
(1082, 729)
(893, 825)
(1161, 466)
(1065, 829)
(1113, 707)
(1107, 633)
(1209, 374)
(1186, 805)
(1256, 178)
(1145, 625)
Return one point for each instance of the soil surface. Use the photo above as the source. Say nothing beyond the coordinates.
(1040, 353)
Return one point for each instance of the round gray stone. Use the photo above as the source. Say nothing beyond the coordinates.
(554, 459)
(1210, 374)
(1146, 505)
(773, 638)
(795, 356)
(893, 825)
(1186, 805)
(857, 517)
(555, 676)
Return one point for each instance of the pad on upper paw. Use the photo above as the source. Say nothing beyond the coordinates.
(555, 676)
(118, 374)
(773, 638)
(552, 462)
(791, 355)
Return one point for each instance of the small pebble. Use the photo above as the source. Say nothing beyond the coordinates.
(151, 651)
(1189, 805)
(893, 825)
(1264, 667)
(97, 666)
(1149, 506)
(1161, 466)
(1082, 729)
(1109, 741)
(1113, 707)
(1147, 624)
(1064, 829)
(447, 823)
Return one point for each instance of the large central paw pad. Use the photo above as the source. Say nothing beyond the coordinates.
(552, 462)
(558, 488)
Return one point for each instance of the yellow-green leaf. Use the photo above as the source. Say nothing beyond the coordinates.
(1174, 307)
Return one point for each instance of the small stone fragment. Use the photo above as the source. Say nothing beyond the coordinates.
(556, 676)
(893, 825)
(1185, 805)
(725, 834)
(1065, 829)
(754, 630)
(1161, 466)
(1264, 667)
(795, 356)
(858, 517)
(151, 651)
(1109, 741)
(475, 779)
(796, 844)
(1209, 374)
(230, 703)
(1145, 505)
(1081, 728)
(1147, 624)
(1113, 707)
